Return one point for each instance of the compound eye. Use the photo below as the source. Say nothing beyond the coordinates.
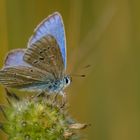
(67, 80)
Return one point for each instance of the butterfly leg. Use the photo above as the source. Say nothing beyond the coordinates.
(40, 94)
(55, 98)
(64, 99)
(36, 96)
(43, 94)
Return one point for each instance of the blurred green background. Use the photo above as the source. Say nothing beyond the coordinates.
(102, 33)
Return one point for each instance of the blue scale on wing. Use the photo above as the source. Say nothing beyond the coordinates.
(15, 58)
(53, 25)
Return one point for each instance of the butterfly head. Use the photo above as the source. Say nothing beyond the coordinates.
(67, 80)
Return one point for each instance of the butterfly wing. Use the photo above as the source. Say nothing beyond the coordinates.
(15, 58)
(45, 54)
(23, 77)
(18, 71)
(53, 25)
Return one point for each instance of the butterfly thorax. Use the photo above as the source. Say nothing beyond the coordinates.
(58, 85)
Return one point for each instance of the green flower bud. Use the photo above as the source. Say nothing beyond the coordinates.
(37, 118)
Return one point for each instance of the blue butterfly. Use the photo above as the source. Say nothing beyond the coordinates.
(42, 66)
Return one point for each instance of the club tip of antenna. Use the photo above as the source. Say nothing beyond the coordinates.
(83, 75)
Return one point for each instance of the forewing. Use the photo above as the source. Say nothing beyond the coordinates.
(45, 54)
(21, 76)
(15, 58)
(53, 25)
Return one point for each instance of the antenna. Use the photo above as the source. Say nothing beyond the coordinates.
(81, 75)
(87, 66)
(78, 75)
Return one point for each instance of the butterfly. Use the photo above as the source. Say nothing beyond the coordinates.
(41, 66)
